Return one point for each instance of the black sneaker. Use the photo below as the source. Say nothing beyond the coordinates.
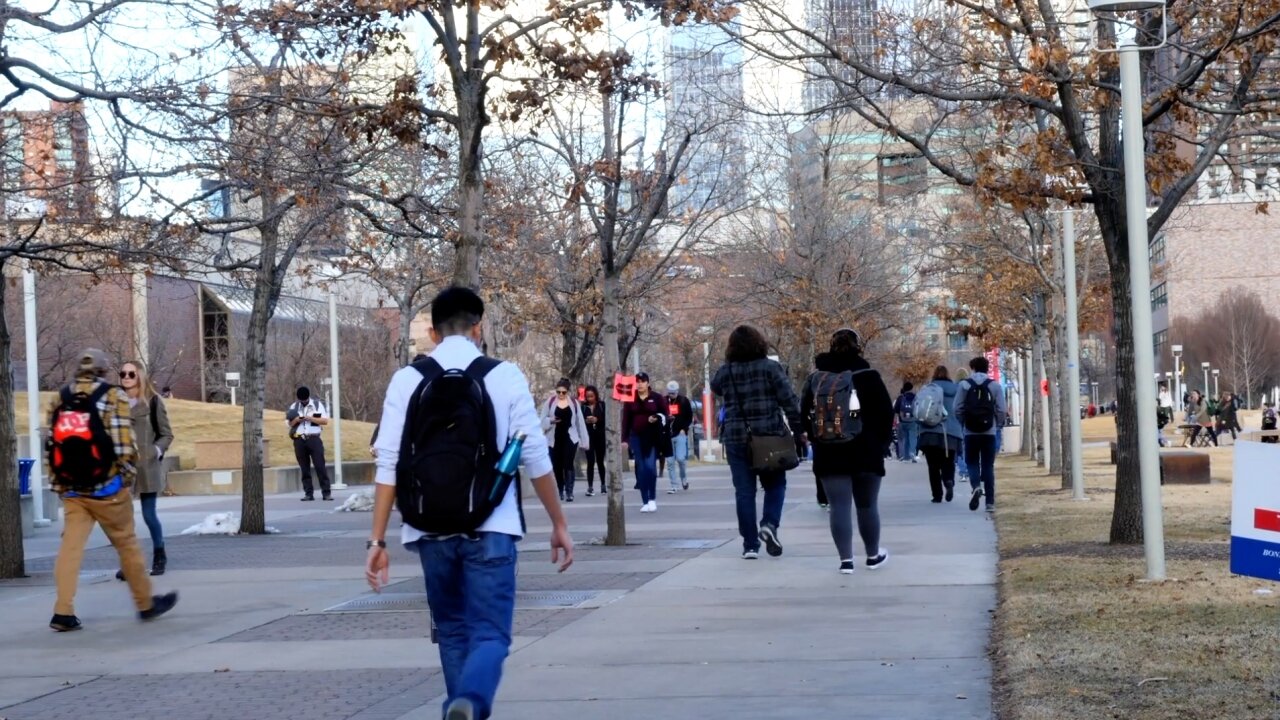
(120, 575)
(160, 604)
(591, 493)
(770, 537)
(685, 484)
(846, 567)
(950, 492)
(936, 500)
(327, 498)
(877, 562)
(308, 498)
(568, 498)
(976, 498)
(65, 623)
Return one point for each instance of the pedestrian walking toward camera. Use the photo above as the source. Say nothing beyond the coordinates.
(851, 422)
(980, 406)
(566, 431)
(940, 433)
(908, 428)
(757, 397)
(680, 410)
(307, 418)
(1201, 417)
(92, 463)
(643, 421)
(1228, 418)
(152, 436)
(455, 428)
(594, 414)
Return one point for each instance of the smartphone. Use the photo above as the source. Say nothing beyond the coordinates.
(315, 415)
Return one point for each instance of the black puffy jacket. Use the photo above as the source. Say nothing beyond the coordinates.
(865, 453)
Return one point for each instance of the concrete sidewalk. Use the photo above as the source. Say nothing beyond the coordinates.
(675, 624)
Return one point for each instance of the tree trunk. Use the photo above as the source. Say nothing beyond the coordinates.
(11, 551)
(406, 323)
(471, 120)
(266, 292)
(614, 455)
(1041, 399)
(1126, 516)
(1028, 406)
(1067, 398)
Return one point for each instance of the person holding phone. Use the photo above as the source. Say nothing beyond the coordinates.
(307, 417)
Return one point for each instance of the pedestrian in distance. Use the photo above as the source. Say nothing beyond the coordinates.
(566, 431)
(307, 418)
(908, 428)
(980, 405)
(594, 414)
(1201, 417)
(851, 420)
(940, 433)
(152, 436)
(454, 429)
(643, 421)
(680, 410)
(1269, 421)
(758, 397)
(1228, 415)
(92, 463)
(962, 468)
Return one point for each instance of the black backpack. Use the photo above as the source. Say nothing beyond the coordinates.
(448, 456)
(979, 407)
(834, 422)
(81, 452)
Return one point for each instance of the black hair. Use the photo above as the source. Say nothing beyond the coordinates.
(591, 389)
(845, 341)
(907, 387)
(746, 344)
(304, 393)
(456, 310)
(980, 365)
(564, 383)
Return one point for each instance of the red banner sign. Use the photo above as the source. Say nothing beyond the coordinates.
(624, 387)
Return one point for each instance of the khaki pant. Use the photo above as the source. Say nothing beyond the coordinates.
(115, 515)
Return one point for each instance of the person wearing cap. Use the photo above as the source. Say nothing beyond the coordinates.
(642, 426)
(307, 417)
(108, 503)
(681, 412)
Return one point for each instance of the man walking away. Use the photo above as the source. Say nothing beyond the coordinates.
(446, 422)
(980, 406)
(307, 417)
(681, 412)
(91, 461)
(908, 428)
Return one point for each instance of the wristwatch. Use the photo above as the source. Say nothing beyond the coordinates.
(370, 544)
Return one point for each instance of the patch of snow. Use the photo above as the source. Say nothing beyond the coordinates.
(227, 523)
(357, 502)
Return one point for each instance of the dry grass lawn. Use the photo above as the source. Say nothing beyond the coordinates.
(194, 421)
(1079, 635)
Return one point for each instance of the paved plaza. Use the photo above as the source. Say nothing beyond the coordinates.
(675, 624)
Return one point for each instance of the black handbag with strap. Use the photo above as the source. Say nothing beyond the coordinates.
(769, 453)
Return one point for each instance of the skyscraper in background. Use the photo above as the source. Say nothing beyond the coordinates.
(850, 27)
(704, 96)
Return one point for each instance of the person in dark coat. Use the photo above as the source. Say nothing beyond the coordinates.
(851, 472)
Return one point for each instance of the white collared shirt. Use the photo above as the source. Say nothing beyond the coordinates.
(305, 411)
(513, 412)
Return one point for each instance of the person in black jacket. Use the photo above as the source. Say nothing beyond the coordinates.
(851, 472)
(593, 411)
(681, 412)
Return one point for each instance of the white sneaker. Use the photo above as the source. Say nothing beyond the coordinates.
(672, 491)
(653, 506)
(645, 508)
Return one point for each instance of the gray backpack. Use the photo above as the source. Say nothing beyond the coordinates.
(931, 406)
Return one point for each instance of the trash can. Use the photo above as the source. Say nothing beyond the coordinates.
(24, 475)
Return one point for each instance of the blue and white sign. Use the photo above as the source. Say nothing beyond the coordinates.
(1255, 511)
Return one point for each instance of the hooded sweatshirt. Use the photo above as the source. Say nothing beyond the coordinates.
(865, 453)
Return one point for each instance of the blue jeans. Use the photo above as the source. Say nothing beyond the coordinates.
(152, 520)
(980, 456)
(646, 460)
(471, 588)
(908, 434)
(744, 487)
(679, 456)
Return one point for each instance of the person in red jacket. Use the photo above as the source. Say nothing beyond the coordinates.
(643, 420)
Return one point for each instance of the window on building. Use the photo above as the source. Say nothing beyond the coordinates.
(13, 162)
(957, 341)
(931, 342)
(1157, 251)
(1161, 341)
(1160, 296)
(932, 323)
(63, 152)
(217, 339)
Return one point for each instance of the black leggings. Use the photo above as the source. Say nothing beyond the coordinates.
(942, 469)
(595, 459)
(563, 456)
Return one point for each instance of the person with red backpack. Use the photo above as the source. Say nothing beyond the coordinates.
(455, 427)
(980, 407)
(92, 468)
(850, 420)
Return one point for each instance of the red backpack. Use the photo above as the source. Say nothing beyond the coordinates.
(82, 454)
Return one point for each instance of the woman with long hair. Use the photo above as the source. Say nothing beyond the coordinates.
(757, 396)
(593, 412)
(153, 436)
(852, 471)
(643, 420)
(940, 442)
(566, 431)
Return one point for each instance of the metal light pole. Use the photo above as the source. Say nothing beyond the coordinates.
(1135, 190)
(33, 394)
(1073, 350)
(1177, 375)
(708, 414)
(1205, 366)
(1094, 385)
(1215, 383)
(335, 408)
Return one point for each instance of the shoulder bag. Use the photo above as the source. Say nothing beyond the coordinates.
(769, 453)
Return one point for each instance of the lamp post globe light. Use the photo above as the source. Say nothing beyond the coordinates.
(1135, 190)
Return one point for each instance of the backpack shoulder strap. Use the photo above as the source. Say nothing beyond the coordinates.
(155, 426)
(66, 395)
(429, 368)
(481, 367)
(99, 392)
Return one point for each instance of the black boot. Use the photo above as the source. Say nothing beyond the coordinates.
(158, 561)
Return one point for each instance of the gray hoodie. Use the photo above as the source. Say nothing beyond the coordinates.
(1002, 410)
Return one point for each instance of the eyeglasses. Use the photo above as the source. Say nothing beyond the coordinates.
(562, 392)
(128, 374)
